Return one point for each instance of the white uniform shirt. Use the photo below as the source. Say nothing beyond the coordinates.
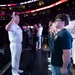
(15, 34)
(71, 28)
(40, 29)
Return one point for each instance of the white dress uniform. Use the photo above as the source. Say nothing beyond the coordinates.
(71, 28)
(39, 34)
(15, 38)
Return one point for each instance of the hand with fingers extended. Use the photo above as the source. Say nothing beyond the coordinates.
(13, 16)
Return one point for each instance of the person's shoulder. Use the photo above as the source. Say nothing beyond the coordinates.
(66, 32)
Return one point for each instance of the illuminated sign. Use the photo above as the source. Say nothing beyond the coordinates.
(39, 9)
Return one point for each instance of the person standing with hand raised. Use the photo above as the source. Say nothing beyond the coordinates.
(15, 38)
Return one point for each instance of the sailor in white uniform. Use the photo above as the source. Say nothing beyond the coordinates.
(39, 35)
(15, 38)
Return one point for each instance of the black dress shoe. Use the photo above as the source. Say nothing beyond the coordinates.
(73, 66)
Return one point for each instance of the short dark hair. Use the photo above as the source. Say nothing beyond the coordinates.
(63, 17)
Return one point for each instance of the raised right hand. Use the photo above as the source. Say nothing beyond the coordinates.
(13, 16)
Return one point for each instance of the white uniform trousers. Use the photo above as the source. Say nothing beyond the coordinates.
(73, 51)
(16, 49)
(38, 43)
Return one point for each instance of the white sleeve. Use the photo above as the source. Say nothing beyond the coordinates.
(12, 27)
(41, 29)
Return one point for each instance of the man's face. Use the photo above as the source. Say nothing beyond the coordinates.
(17, 20)
(50, 23)
(58, 23)
(39, 25)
